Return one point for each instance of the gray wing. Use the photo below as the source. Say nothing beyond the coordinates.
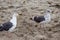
(7, 26)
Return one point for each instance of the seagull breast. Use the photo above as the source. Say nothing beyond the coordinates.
(14, 22)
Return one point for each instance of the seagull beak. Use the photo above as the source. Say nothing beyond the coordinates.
(20, 14)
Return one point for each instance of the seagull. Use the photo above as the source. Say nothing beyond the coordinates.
(10, 25)
(43, 19)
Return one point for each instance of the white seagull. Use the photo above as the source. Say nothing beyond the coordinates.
(43, 19)
(11, 25)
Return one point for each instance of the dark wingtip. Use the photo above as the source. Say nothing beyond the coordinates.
(39, 19)
(1, 28)
(36, 19)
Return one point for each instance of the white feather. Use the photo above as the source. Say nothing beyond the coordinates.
(14, 22)
(47, 16)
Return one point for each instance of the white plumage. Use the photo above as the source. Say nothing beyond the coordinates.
(47, 16)
(10, 25)
(14, 22)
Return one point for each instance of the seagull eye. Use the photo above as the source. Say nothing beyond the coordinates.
(48, 11)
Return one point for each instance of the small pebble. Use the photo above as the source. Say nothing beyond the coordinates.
(2, 16)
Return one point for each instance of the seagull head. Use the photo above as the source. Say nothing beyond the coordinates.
(15, 14)
(48, 10)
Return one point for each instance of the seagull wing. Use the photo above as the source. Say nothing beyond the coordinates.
(7, 26)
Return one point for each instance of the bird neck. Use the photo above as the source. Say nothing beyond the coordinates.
(47, 17)
(14, 17)
(14, 20)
